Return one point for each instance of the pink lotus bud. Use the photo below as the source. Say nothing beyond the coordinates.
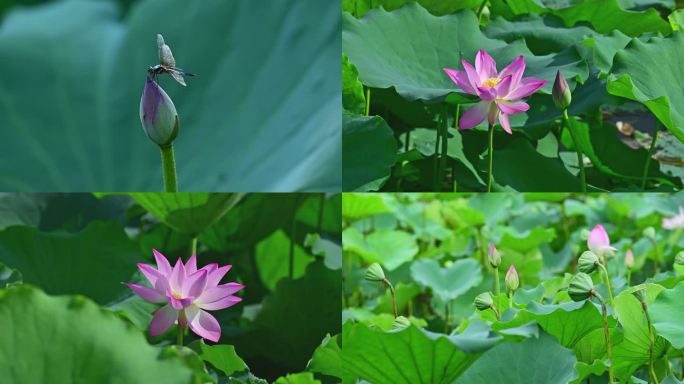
(494, 256)
(561, 92)
(629, 259)
(598, 241)
(512, 281)
(158, 114)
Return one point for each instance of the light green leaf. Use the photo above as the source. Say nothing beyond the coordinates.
(353, 99)
(388, 247)
(666, 314)
(449, 282)
(222, 357)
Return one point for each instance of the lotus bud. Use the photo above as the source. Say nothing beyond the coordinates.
(158, 114)
(650, 233)
(588, 262)
(640, 294)
(512, 280)
(598, 241)
(401, 322)
(581, 287)
(484, 301)
(561, 92)
(375, 273)
(679, 259)
(629, 259)
(494, 256)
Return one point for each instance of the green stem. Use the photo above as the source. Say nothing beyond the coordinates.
(629, 277)
(607, 279)
(497, 288)
(580, 162)
(194, 246)
(606, 335)
(446, 317)
(445, 146)
(682, 364)
(651, 344)
(491, 156)
(435, 165)
(651, 150)
(479, 10)
(510, 299)
(656, 269)
(368, 97)
(496, 313)
(293, 225)
(180, 336)
(394, 298)
(169, 168)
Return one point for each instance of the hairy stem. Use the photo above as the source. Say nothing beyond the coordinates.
(580, 162)
(606, 335)
(445, 147)
(169, 168)
(497, 289)
(491, 156)
(607, 279)
(651, 344)
(394, 298)
(651, 150)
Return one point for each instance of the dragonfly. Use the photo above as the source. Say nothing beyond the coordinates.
(167, 64)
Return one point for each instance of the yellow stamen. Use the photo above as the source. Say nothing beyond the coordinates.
(176, 296)
(492, 81)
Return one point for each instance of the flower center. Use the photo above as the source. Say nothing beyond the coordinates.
(176, 296)
(492, 81)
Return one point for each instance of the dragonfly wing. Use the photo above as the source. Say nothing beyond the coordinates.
(165, 55)
(177, 76)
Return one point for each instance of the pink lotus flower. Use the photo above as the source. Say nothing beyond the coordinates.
(598, 241)
(674, 222)
(189, 293)
(498, 91)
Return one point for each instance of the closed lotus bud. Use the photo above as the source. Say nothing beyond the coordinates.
(629, 259)
(400, 322)
(679, 259)
(512, 281)
(494, 256)
(483, 301)
(640, 294)
(561, 92)
(650, 233)
(581, 287)
(158, 114)
(375, 273)
(588, 262)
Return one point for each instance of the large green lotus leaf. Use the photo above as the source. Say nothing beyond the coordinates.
(359, 8)
(644, 4)
(273, 259)
(353, 99)
(407, 356)
(603, 15)
(221, 356)
(359, 205)
(633, 351)
(519, 166)
(244, 126)
(327, 358)
(646, 72)
(408, 49)
(189, 213)
(69, 339)
(255, 218)
(391, 248)
(449, 282)
(369, 151)
(72, 212)
(567, 322)
(92, 262)
(610, 155)
(666, 314)
(533, 357)
(295, 318)
(604, 48)
(298, 378)
(19, 209)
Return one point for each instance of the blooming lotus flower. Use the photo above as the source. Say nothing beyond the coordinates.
(158, 114)
(512, 280)
(598, 241)
(674, 222)
(499, 92)
(188, 293)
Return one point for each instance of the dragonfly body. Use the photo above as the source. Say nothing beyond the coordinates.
(167, 63)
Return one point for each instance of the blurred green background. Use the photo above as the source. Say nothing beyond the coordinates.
(262, 114)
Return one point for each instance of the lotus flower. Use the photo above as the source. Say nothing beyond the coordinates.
(512, 280)
(598, 241)
(494, 256)
(188, 294)
(674, 222)
(629, 259)
(158, 114)
(499, 92)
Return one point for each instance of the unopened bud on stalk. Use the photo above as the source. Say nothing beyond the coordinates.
(561, 92)
(650, 233)
(483, 301)
(512, 280)
(158, 114)
(375, 273)
(588, 262)
(581, 287)
(400, 322)
(494, 256)
(679, 259)
(629, 259)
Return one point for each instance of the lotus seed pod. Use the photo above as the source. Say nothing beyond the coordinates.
(158, 114)
(512, 280)
(581, 287)
(561, 92)
(400, 322)
(629, 259)
(640, 294)
(494, 256)
(483, 301)
(679, 259)
(650, 233)
(588, 262)
(375, 273)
